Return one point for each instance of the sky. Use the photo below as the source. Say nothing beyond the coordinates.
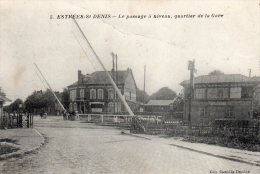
(28, 35)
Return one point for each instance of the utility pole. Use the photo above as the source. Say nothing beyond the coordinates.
(192, 69)
(116, 69)
(251, 109)
(116, 84)
(144, 84)
(113, 75)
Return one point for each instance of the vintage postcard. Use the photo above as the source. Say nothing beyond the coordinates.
(130, 87)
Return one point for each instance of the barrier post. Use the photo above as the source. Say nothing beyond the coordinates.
(102, 118)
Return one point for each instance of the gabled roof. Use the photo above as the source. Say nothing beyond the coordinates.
(159, 102)
(4, 99)
(100, 77)
(225, 78)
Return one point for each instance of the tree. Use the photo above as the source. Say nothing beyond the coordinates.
(15, 106)
(164, 93)
(179, 103)
(48, 99)
(65, 98)
(34, 101)
(216, 72)
(40, 100)
(141, 96)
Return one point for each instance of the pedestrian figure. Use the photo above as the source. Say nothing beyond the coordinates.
(41, 115)
(45, 115)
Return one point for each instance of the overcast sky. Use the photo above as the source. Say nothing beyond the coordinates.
(28, 35)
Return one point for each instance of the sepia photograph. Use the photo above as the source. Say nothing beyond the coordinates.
(130, 87)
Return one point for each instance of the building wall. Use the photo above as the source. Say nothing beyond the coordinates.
(1, 112)
(1, 108)
(208, 111)
(222, 101)
(82, 98)
(83, 101)
(130, 88)
(157, 108)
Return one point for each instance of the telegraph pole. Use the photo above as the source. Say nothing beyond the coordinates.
(192, 69)
(144, 83)
(116, 85)
(114, 78)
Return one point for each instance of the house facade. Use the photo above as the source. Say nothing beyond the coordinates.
(229, 96)
(94, 93)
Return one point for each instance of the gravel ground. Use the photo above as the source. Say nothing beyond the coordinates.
(74, 147)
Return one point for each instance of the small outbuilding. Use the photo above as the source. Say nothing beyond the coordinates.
(159, 106)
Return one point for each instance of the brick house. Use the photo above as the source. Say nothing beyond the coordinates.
(220, 96)
(94, 93)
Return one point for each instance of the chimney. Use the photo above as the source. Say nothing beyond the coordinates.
(79, 76)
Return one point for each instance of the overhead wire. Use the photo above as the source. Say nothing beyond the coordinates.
(84, 51)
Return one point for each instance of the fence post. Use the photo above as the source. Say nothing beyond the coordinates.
(115, 119)
(102, 118)
(28, 121)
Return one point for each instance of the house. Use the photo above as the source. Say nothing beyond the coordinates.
(94, 93)
(228, 96)
(156, 106)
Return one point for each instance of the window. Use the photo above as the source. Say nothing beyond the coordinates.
(93, 94)
(71, 107)
(212, 93)
(200, 93)
(110, 107)
(217, 93)
(100, 94)
(220, 93)
(75, 107)
(81, 93)
(110, 94)
(73, 94)
(235, 92)
(246, 92)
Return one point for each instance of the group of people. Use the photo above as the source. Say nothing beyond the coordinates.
(43, 115)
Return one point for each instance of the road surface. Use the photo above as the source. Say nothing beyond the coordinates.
(74, 147)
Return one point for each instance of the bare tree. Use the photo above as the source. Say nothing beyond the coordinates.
(216, 72)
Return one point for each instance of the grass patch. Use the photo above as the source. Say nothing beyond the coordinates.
(8, 140)
(5, 149)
